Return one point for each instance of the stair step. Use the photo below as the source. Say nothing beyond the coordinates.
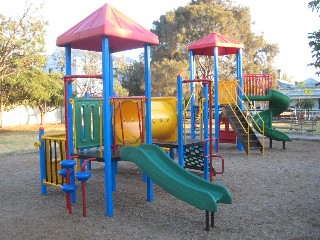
(240, 125)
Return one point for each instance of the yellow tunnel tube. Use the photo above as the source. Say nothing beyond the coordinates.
(164, 121)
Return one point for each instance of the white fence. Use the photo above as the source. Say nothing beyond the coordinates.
(25, 115)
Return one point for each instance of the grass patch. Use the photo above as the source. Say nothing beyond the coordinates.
(302, 127)
(22, 138)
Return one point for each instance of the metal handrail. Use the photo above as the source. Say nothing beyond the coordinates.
(249, 114)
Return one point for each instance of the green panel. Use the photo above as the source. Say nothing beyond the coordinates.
(278, 103)
(174, 179)
(87, 122)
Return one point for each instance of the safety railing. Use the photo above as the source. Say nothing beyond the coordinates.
(54, 152)
(257, 84)
(232, 100)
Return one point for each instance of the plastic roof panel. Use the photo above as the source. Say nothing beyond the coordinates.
(205, 45)
(122, 32)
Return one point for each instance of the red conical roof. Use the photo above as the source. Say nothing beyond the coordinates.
(122, 32)
(205, 45)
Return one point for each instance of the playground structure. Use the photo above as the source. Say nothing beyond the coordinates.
(100, 129)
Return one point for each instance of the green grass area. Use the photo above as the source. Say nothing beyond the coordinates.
(292, 126)
(22, 138)
(18, 141)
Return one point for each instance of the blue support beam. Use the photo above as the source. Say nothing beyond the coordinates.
(192, 102)
(42, 153)
(147, 71)
(106, 108)
(239, 91)
(69, 96)
(206, 132)
(180, 121)
(216, 97)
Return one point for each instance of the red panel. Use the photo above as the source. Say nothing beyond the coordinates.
(257, 84)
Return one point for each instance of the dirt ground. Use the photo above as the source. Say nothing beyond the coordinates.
(275, 196)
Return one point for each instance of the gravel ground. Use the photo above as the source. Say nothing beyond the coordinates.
(276, 196)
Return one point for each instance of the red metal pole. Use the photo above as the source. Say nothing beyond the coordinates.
(83, 187)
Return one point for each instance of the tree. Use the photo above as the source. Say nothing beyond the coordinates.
(168, 70)
(179, 28)
(305, 104)
(315, 39)
(92, 62)
(41, 90)
(119, 90)
(132, 78)
(21, 49)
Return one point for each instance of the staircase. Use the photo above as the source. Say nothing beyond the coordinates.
(242, 128)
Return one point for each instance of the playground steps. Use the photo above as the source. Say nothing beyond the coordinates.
(238, 122)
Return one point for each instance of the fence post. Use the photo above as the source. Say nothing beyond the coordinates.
(42, 162)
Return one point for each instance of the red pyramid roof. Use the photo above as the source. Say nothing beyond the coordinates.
(205, 45)
(123, 33)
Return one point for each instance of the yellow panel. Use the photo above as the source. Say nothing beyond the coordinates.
(227, 92)
(130, 126)
(164, 119)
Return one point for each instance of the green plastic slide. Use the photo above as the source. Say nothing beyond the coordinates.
(174, 179)
(278, 103)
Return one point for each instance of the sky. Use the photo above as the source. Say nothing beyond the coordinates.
(286, 23)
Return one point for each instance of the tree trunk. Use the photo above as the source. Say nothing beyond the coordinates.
(1, 113)
(42, 118)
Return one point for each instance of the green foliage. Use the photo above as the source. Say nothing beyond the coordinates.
(308, 91)
(179, 28)
(42, 90)
(92, 62)
(164, 75)
(287, 78)
(315, 39)
(132, 78)
(119, 90)
(22, 42)
(305, 104)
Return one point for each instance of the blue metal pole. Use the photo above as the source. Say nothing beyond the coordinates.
(192, 102)
(147, 73)
(239, 91)
(111, 83)
(206, 132)
(42, 162)
(106, 107)
(114, 164)
(216, 98)
(69, 96)
(239, 64)
(180, 121)
(69, 106)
